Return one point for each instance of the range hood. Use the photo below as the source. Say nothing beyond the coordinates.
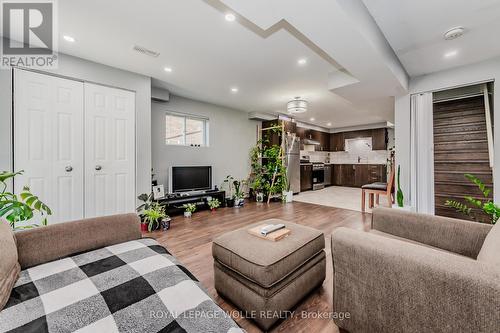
(311, 142)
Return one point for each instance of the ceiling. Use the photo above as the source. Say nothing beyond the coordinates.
(347, 80)
(415, 31)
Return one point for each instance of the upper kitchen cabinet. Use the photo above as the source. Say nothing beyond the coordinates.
(270, 137)
(290, 127)
(322, 138)
(379, 139)
(337, 142)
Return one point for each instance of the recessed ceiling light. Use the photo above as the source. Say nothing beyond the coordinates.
(167, 69)
(312, 119)
(234, 90)
(230, 17)
(69, 39)
(302, 61)
(329, 124)
(451, 54)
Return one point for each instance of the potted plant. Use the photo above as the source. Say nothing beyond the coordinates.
(153, 216)
(213, 204)
(189, 209)
(239, 195)
(287, 193)
(22, 207)
(227, 185)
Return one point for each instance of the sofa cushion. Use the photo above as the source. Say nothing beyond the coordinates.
(490, 251)
(9, 266)
(266, 262)
(375, 186)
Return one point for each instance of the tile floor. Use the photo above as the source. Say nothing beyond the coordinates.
(336, 196)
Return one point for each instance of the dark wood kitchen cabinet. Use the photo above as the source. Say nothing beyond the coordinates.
(337, 142)
(270, 137)
(379, 139)
(357, 175)
(323, 139)
(337, 174)
(348, 176)
(306, 181)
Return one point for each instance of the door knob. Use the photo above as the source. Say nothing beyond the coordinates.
(98, 167)
(69, 168)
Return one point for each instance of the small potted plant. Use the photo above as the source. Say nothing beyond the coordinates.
(213, 204)
(227, 185)
(239, 193)
(287, 194)
(189, 209)
(153, 216)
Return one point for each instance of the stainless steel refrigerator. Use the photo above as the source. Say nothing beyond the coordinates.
(292, 160)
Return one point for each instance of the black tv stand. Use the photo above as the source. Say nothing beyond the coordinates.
(173, 202)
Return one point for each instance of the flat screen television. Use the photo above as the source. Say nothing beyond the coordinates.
(191, 178)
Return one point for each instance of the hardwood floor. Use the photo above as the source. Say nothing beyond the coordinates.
(190, 240)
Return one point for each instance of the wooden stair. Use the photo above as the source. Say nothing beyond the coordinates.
(460, 147)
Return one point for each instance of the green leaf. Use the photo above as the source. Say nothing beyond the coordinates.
(4, 175)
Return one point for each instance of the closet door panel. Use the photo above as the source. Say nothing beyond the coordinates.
(110, 150)
(48, 141)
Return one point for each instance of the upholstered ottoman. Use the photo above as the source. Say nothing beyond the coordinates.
(265, 278)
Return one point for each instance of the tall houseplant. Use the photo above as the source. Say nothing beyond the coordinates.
(22, 207)
(399, 195)
(486, 204)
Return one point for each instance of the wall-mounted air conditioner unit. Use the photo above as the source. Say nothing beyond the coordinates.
(160, 95)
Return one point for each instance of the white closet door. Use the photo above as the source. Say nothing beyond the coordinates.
(109, 150)
(48, 141)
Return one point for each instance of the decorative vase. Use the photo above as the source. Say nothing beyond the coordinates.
(188, 214)
(213, 209)
(259, 197)
(288, 196)
(165, 224)
(144, 227)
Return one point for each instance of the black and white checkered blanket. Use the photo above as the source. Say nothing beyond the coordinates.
(135, 286)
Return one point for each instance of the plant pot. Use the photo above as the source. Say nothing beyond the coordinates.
(144, 227)
(259, 197)
(238, 203)
(188, 214)
(288, 196)
(165, 223)
(229, 202)
(213, 209)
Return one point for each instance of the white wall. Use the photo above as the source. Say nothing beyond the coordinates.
(465, 75)
(231, 135)
(81, 69)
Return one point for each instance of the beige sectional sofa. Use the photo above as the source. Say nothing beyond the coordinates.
(417, 273)
(99, 275)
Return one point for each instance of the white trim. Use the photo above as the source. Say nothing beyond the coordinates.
(422, 153)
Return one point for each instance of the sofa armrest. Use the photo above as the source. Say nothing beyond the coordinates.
(458, 236)
(388, 285)
(40, 245)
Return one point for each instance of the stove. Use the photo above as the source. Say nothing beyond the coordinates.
(318, 175)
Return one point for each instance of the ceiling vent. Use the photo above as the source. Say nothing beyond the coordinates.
(145, 51)
(454, 33)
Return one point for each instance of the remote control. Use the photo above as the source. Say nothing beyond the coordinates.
(271, 228)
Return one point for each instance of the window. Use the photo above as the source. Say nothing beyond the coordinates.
(186, 130)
